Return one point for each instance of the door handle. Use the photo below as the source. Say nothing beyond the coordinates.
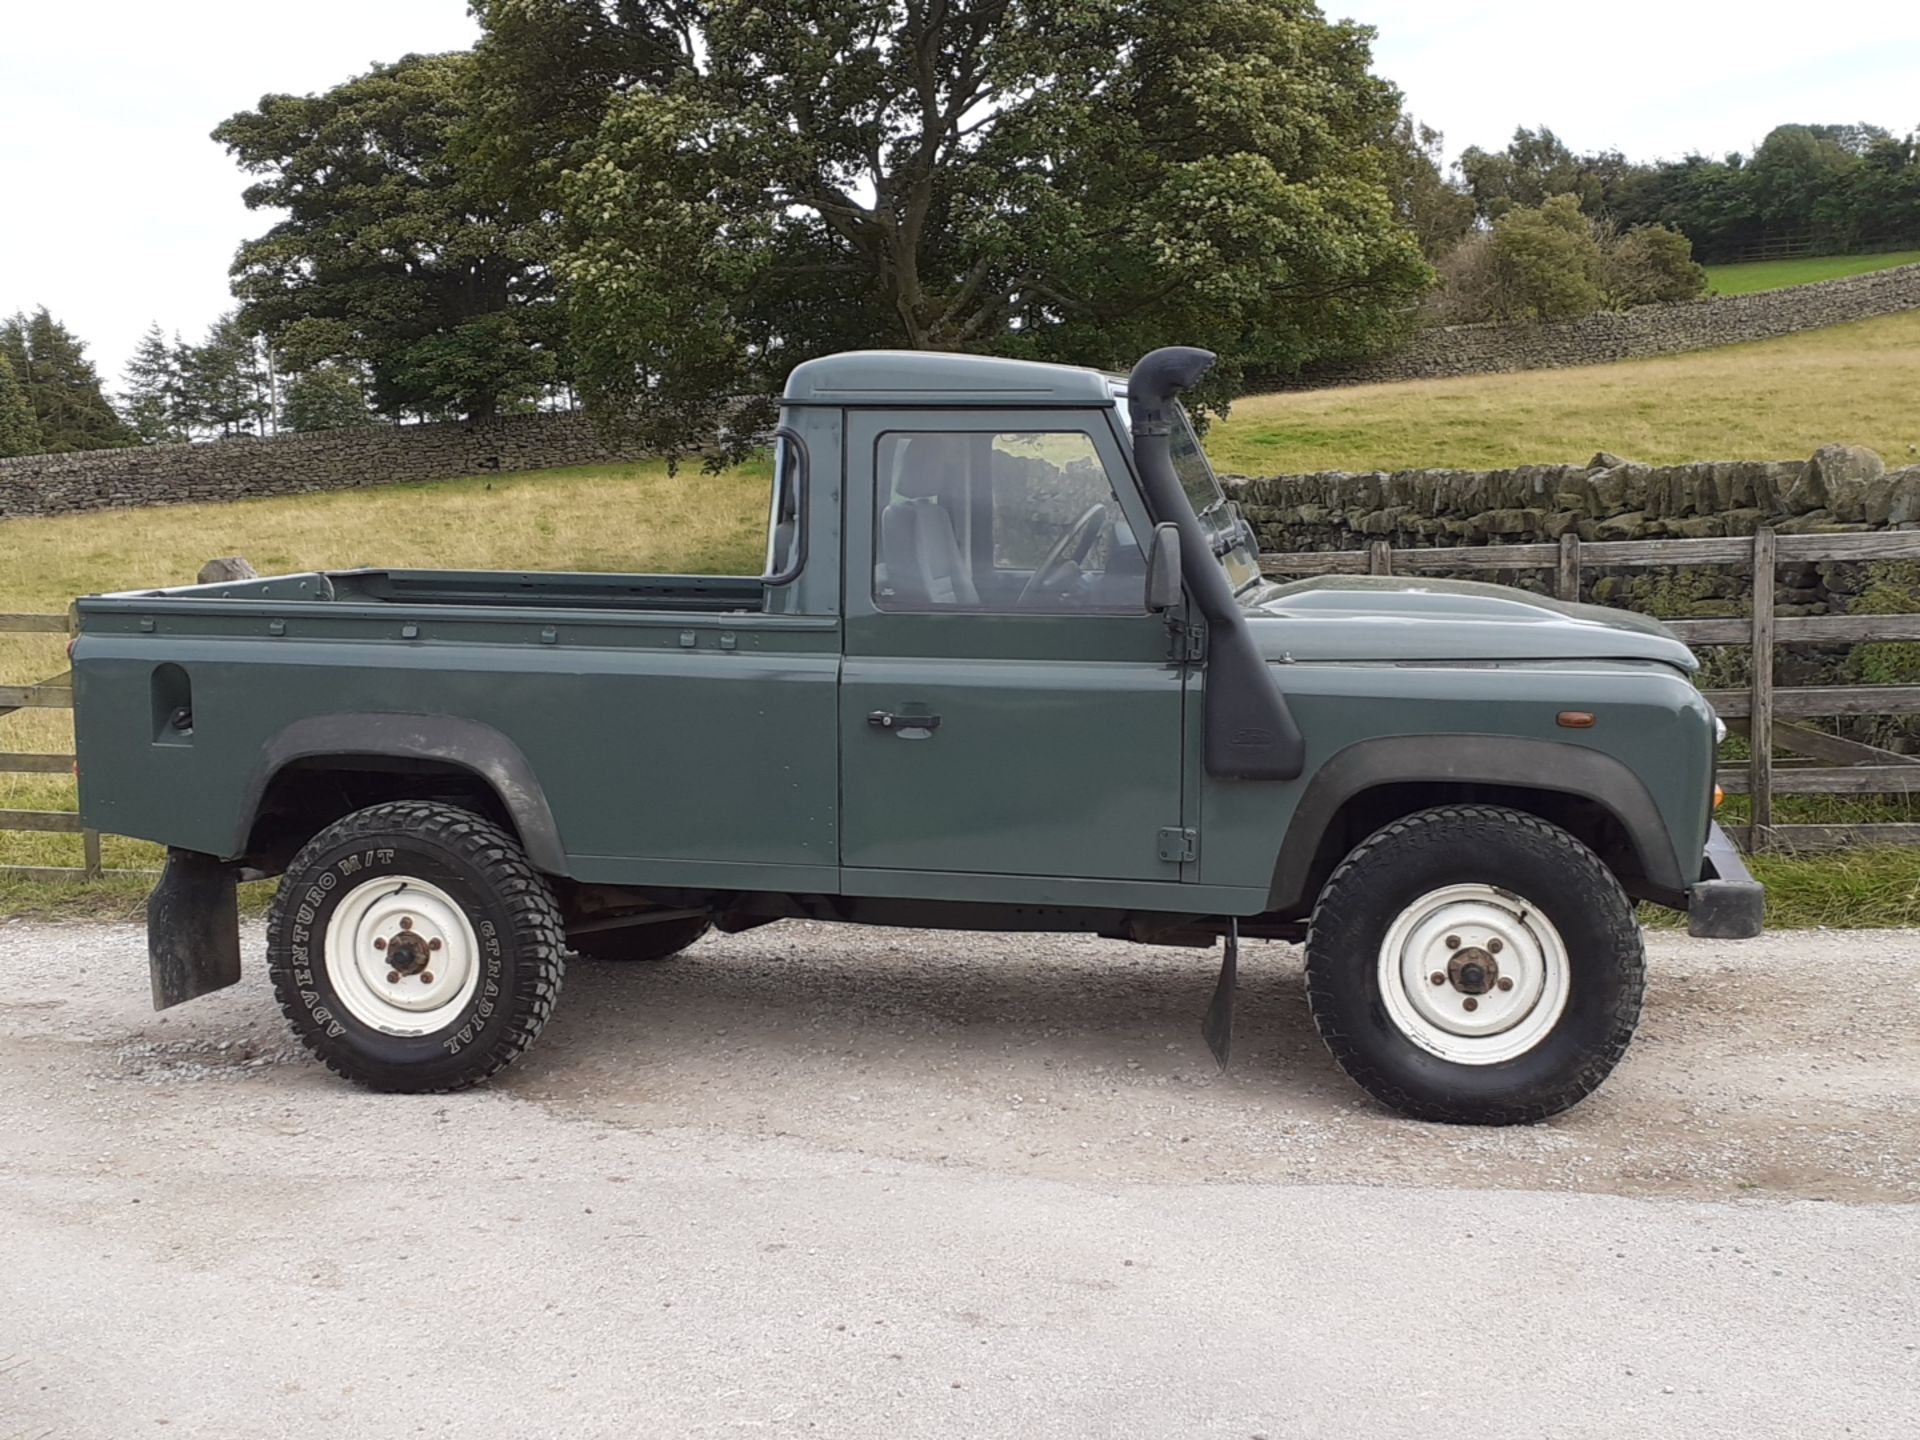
(908, 727)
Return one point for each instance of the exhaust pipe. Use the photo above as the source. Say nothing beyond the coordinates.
(1250, 734)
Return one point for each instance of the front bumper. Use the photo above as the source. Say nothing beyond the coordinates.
(1728, 903)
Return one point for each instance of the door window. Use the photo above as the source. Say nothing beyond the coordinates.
(1017, 521)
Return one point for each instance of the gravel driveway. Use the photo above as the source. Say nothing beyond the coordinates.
(847, 1183)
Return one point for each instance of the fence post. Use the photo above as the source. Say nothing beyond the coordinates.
(1380, 557)
(90, 847)
(1567, 580)
(1760, 711)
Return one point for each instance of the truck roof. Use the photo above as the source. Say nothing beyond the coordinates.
(935, 377)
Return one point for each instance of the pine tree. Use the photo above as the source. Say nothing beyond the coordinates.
(19, 431)
(61, 385)
(153, 401)
(224, 380)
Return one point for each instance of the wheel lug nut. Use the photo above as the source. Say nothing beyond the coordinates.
(1506, 982)
(393, 977)
(1453, 942)
(379, 944)
(1439, 977)
(1494, 947)
(1469, 1003)
(406, 922)
(426, 977)
(433, 944)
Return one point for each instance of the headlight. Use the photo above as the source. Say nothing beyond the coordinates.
(1719, 731)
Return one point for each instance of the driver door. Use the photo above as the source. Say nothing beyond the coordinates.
(1008, 706)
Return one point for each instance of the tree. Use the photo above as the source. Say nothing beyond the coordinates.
(19, 431)
(1536, 166)
(392, 255)
(1550, 262)
(1650, 265)
(224, 381)
(327, 397)
(739, 187)
(1437, 211)
(154, 400)
(50, 366)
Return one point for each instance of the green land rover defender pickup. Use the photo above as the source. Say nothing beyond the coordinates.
(1012, 665)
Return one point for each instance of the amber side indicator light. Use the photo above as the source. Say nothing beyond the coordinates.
(1719, 797)
(1576, 719)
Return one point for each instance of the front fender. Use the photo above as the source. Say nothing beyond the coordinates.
(1504, 760)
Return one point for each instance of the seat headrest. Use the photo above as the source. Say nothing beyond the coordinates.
(931, 466)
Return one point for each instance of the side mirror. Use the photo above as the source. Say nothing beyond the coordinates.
(1163, 568)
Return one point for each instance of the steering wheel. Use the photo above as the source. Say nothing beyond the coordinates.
(1071, 548)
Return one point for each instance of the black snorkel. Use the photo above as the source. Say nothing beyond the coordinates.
(1250, 734)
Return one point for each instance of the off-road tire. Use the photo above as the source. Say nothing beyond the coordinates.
(1515, 852)
(660, 941)
(519, 954)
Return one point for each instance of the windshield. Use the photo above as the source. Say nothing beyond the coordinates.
(1232, 538)
(1190, 463)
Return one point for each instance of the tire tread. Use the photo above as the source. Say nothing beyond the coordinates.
(539, 934)
(1343, 907)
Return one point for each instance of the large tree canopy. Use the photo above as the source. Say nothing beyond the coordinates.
(391, 255)
(740, 186)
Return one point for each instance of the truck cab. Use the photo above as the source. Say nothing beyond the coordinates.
(1011, 664)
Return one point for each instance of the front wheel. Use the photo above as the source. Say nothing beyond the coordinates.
(413, 947)
(1475, 964)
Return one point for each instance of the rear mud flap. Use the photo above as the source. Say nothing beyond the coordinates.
(193, 929)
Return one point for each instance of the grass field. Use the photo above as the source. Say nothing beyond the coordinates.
(1779, 274)
(1776, 399)
(1771, 400)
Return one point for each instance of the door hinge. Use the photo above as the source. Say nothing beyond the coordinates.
(1179, 847)
(1186, 643)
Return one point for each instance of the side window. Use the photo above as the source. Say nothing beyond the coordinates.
(1019, 521)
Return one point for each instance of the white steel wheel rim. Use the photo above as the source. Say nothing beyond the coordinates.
(1474, 974)
(402, 956)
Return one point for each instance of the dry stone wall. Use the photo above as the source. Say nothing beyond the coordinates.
(1630, 334)
(1841, 489)
(294, 464)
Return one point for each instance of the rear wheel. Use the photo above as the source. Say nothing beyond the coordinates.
(1475, 964)
(413, 947)
(658, 941)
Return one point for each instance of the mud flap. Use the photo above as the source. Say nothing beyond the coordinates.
(193, 929)
(1217, 1025)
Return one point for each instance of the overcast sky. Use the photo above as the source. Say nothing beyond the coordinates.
(116, 210)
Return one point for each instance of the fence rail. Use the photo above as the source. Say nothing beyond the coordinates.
(53, 693)
(1761, 712)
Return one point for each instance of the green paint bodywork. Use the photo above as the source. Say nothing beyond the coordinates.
(711, 734)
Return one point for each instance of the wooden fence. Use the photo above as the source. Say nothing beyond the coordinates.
(1767, 715)
(55, 693)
